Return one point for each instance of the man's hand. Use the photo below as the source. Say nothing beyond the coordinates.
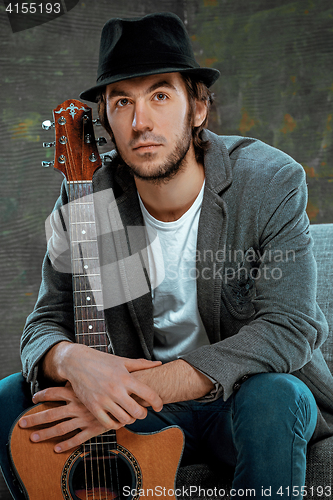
(79, 419)
(102, 382)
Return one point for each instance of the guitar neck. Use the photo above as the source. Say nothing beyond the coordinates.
(89, 315)
(87, 284)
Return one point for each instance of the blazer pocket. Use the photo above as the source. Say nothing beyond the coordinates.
(238, 287)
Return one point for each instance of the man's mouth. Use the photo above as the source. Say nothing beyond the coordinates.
(146, 146)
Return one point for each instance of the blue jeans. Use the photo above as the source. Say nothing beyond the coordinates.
(260, 433)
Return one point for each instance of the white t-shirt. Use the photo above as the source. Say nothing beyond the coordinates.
(172, 268)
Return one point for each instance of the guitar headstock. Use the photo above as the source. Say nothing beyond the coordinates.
(76, 153)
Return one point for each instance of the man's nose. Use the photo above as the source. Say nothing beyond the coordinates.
(142, 118)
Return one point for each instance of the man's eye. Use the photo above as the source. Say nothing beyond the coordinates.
(122, 102)
(160, 96)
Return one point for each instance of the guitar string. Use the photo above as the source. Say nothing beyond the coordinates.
(89, 453)
(101, 341)
(101, 436)
(112, 457)
(87, 449)
(86, 338)
(96, 324)
(77, 212)
(73, 215)
(114, 433)
(87, 192)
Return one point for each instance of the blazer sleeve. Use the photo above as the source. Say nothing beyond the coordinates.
(52, 319)
(287, 325)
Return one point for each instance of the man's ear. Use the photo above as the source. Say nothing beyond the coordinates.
(200, 113)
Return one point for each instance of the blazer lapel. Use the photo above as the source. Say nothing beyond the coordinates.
(212, 232)
(131, 249)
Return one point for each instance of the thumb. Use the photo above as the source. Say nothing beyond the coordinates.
(132, 365)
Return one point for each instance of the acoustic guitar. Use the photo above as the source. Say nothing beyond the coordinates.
(117, 464)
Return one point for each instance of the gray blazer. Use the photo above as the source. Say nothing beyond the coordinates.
(256, 274)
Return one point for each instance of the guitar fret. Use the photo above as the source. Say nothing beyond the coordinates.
(111, 433)
(88, 320)
(84, 258)
(77, 202)
(87, 274)
(83, 241)
(106, 437)
(90, 333)
(89, 183)
(89, 305)
(101, 443)
(84, 222)
(89, 314)
(87, 291)
(80, 217)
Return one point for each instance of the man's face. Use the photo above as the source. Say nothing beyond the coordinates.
(151, 123)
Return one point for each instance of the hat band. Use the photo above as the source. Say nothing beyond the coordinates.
(180, 62)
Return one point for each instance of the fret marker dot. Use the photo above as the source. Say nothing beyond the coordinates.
(90, 327)
(86, 267)
(88, 298)
(83, 231)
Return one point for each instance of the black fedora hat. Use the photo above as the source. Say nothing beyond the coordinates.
(156, 43)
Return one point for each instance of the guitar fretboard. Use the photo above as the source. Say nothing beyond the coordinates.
(87, 285)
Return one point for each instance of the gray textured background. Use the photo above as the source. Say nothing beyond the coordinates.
(275, 57)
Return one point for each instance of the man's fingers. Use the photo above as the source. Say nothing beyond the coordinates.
(147, 394)
(44, 417)
(73, 442)
(107, 419)
(64, 428)
(126, 411)
(77, 440)
(121, 414)
(54, 394)
(140, 401)
(60, 429)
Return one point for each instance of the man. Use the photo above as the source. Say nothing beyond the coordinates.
(235, 322)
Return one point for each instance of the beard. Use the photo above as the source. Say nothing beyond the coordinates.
(174, 162)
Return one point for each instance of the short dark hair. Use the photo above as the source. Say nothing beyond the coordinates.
(196, 90)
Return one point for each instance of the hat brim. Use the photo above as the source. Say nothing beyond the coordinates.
(207, 75)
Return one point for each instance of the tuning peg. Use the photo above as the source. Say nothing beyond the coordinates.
(47, 124)
(100, 141)
(93, 157)
(47, 163)
(96, 122)
(48, 144)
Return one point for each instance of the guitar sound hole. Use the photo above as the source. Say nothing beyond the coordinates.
(102, 475)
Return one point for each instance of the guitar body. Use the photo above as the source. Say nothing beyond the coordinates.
(141, 462)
